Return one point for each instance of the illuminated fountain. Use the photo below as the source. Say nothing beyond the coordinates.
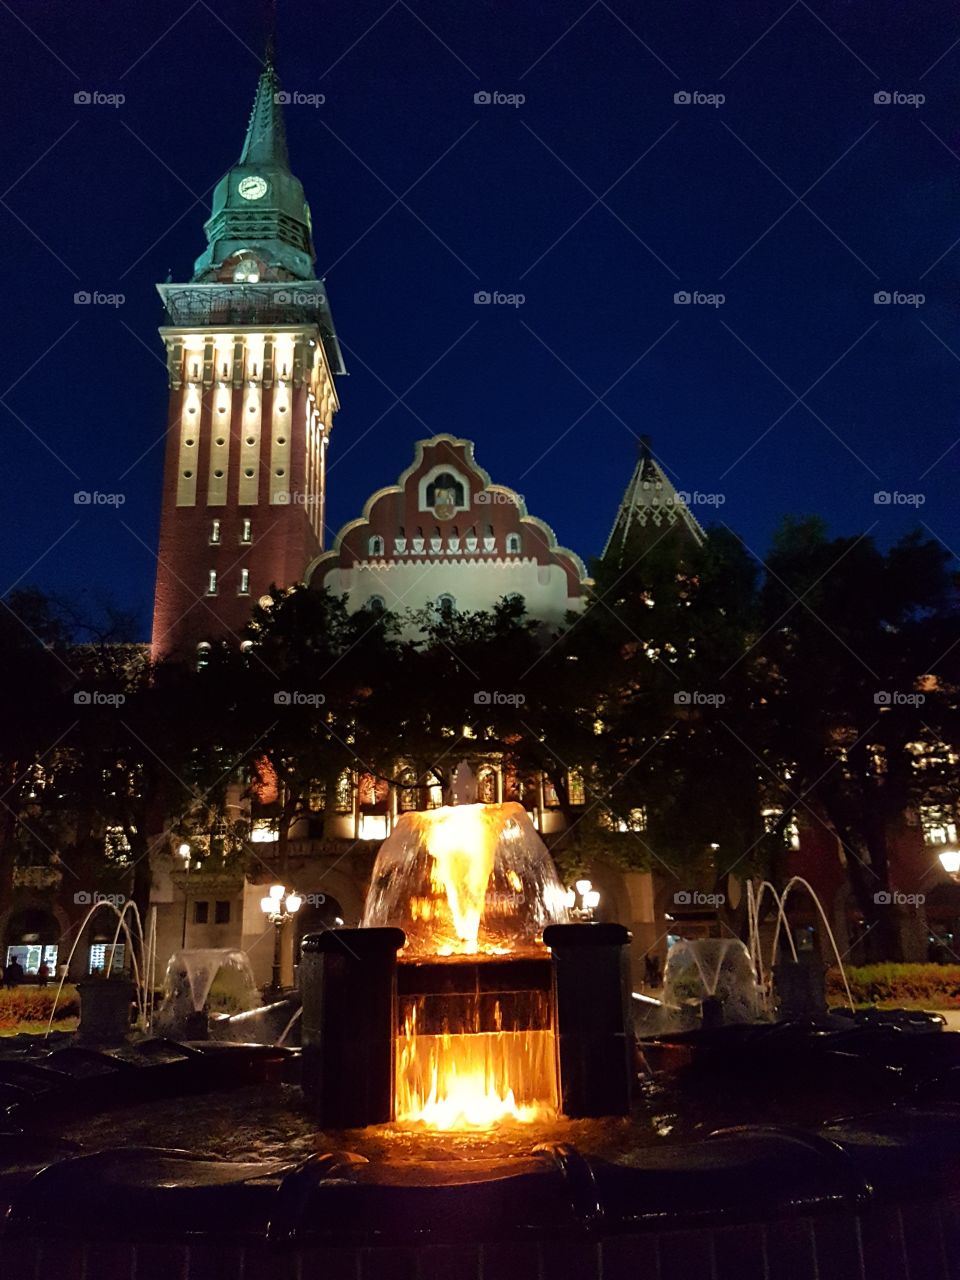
(472, 975)
(471, 885)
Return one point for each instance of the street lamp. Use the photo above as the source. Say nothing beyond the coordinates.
(589, 900)
(278, 906)
(185, 853)
(950, 861)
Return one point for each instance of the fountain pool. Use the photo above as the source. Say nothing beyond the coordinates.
(469, 1103)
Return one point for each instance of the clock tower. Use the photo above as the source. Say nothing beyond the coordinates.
(252, 355)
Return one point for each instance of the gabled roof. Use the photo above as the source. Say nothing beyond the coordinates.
(650, 502)
(511, 500)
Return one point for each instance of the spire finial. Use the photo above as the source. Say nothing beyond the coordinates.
(266, 140)
(270, 27)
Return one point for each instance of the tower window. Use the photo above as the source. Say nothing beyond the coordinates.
(446, 604)
(375, 545)
(244, 582)
(376, 604)
(203, 654)
(246, 533)
(513, 544)
(215, 532)
(212, 582)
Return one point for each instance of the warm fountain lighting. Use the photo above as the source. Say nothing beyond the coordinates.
(461, 844)
(469, 884)
(465, 880)
(476, 1080)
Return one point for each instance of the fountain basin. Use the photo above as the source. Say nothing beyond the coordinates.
(870, 1197)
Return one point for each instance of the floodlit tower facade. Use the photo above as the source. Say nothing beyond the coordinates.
(252, 355)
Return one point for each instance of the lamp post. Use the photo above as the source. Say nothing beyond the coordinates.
(586, 896)
(950, 861)
(185, 853)
(278, 906)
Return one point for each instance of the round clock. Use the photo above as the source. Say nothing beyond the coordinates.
(252, 187)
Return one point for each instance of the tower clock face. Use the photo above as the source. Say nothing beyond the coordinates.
(252, 187)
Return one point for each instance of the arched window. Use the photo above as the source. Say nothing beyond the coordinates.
(408, 793)
(375, 545)
(513, 544)
(487, 786)
(376, 604)
(447, 605)
(203, 654)
(445, 488)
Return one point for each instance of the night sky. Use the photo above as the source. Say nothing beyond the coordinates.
(798, 199)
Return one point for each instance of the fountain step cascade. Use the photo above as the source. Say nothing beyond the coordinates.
(468, 1018)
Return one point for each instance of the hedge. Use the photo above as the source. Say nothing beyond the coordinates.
(922, 986)
(28, 1003)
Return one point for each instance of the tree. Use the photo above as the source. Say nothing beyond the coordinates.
(860, 716)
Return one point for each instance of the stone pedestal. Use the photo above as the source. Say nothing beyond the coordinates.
(800, 987)
(348, 984)
(591, 974)
(104, 1010)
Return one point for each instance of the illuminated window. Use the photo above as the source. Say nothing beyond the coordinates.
(212, 582)
(344, 799)
(373, 826)
(263, 832)
(203, 654)
(244, 582)
(550, 798)
(791, 832)
(575, 788)
(939, 824)
(116, 845)
(487, 786)
(408, 797)
(246, 533)
(32, 954)
(98, 956)
(215, 532)
(375, 545)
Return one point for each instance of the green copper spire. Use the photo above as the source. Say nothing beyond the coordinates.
(259, 264)
(259, 215)
(266, 140)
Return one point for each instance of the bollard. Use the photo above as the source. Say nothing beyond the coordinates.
(104, 1010)
(591, 980)
(348, 985)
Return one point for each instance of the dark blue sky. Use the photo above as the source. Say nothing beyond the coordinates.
(598, 199)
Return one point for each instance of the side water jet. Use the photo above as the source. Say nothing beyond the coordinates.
(754, 904)
(140, 969)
